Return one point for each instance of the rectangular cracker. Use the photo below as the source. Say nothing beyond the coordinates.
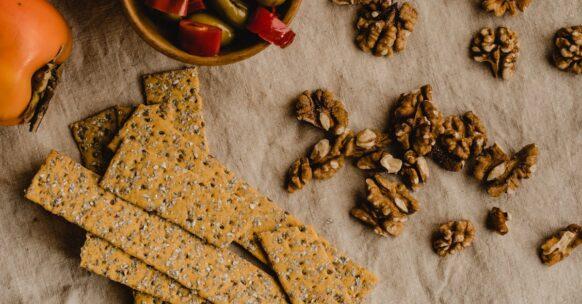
(263, 214)
(303, 267)
(94, 133)
(92, 136)
(142, 175)
(182, 89)
(65, 188)
(102, 258)
(143, 298)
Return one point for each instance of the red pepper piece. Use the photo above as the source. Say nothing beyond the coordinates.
(173, 7)
(199, 39)
(196, 5)
(270, 28)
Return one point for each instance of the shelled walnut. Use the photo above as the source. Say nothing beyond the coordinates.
(370, 140)
(415, 171)
(387, 206)
(299, 174)
(351, 2)
(380, 160)
(500, 7)
(417, 122)
(499, 48)
(453, 237)
(502, 174)
(383, 26)
(464, 137)
(568, 49)
(323, 162)
(321, 109)
(561, 245)
(497, 221)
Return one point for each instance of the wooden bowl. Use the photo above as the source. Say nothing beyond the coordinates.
(158, 36)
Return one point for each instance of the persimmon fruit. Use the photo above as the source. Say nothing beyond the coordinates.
(35, 41)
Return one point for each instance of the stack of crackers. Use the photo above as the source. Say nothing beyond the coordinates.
(161, 212)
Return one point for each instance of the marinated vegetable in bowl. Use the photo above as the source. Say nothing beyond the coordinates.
(206, 27)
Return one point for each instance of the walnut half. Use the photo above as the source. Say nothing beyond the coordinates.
(383, 26)
(500, 7)
(464, 137)
(453, 237)
(387, 206)
(499, 48)
(561, 245)
(321, 109)
(568, 49)
(501, 174)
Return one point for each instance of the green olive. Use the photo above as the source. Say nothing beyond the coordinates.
(227, 30)
(271, 3)
(236, 12)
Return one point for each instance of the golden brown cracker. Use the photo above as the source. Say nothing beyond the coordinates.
(65, 188)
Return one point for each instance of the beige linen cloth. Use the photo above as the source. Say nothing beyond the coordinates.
(251, 128)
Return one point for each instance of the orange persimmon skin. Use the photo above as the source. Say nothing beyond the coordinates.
(32, 33)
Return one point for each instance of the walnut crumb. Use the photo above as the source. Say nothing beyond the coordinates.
(497, 221)
(561, 245)
(453, 237)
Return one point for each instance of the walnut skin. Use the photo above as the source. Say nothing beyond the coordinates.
(387, 206)
(453, 237)
(568, 49)
(561, 245)
(499, 48)
(497, 221)
(501, 174)
(500, 7)
(417, 122)
(383, 27)
(463, 138)
(322, 110)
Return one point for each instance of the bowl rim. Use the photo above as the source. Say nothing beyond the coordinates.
(140, 26)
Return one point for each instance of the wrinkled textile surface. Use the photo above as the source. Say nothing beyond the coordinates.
(251, 128)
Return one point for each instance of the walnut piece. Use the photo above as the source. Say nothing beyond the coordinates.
(370, 140)
(501, 174)
(350, 2)
(380, 160)
(452, 237)
(463, 138)
(561, 245)
(568, 49)
(500, 7)
(497, 221)
(322, 110)
(499, 48)
(415, 171)
(417, 122)
(387, 206)
(383, 26)
(299, 175)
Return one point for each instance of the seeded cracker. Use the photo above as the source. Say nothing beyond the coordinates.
(263, 214)
(303, 267)
(140, 174)
(142, 298)
(66, 189)
(102, 258)
(180, 88)
(92, 136)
